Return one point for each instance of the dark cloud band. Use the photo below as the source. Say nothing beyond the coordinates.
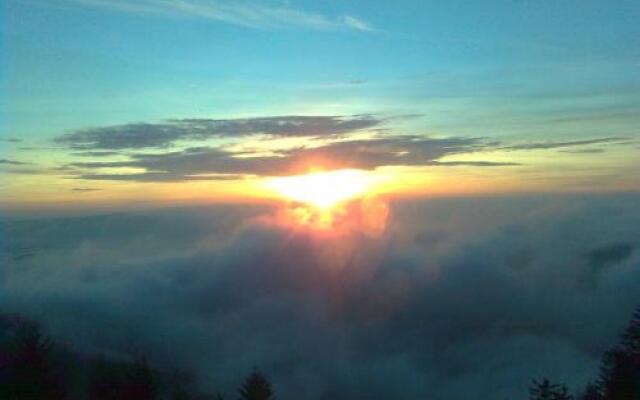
(210, 163)
(167, 133)
(206, 162)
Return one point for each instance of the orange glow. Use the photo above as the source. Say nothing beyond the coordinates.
(313, 217)
(336, 202)
(368, 216)
(323, 190)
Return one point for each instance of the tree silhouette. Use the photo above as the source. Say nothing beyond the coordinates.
(619, 377)
(140, 382)
(179, 393)
(593, 391)
(631, 335)
(256, 387)
(546, 390)
(105, 381)
(30, 372)
(620, 371)
(563, 394)
(34, 367)
(181, 386)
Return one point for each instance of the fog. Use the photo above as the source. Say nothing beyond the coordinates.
(456, 298)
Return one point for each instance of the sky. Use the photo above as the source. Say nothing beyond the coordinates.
(115, 102)
(364, 199)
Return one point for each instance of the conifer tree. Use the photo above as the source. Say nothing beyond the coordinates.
(620, 371)
(631, 336)
(546, 390)
(30, 370)
(104, 381)
(256, 387)
(593, 391)
(181, 386)
(141, 384)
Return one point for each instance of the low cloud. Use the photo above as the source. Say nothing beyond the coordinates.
(611, 254)
(458, 299)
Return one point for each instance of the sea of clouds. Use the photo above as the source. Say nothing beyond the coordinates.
(456, 299)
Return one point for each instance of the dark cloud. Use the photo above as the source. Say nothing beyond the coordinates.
(583, 151)
(555, 145)
(83, 189)
(601, 258)
(220, 163)
(473, 163)
(5, 161)
(164, 134)
(362, 154)
(10, 140)
(458, 299)
(158, 177)
(390, 151)
(26, 171)
(39, 148)
(611, 254)
(96, 153)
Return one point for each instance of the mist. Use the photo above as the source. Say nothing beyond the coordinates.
(455, 298)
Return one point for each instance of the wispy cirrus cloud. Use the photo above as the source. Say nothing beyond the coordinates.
(247, 14)
(166, 133)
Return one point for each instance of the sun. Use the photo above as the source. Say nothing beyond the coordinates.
(323, 189)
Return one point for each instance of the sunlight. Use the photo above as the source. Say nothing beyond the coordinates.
(323, 189)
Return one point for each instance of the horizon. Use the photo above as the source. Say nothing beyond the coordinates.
(340, 199)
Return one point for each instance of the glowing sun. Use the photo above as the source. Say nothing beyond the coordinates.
(323, 189)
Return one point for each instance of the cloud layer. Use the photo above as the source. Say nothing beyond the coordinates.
(457, 299)
(186, 149)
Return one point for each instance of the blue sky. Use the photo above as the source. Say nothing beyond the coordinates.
(516, 71)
